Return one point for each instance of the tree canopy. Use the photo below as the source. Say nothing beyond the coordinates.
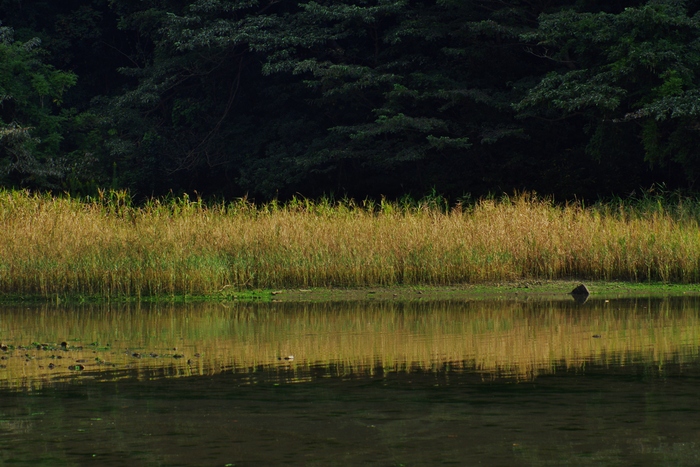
(270, 98)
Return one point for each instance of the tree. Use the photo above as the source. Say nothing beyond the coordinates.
(31, 120)
(630, 78)
(357, 97)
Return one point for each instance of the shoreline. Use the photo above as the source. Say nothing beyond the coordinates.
(524, 290)
(517, 290)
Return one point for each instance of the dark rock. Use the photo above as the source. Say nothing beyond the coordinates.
(580, 290)
(580, 294)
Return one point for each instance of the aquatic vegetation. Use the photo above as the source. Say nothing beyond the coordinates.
(106, 247)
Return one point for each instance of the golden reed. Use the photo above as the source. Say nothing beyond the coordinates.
(106, 247)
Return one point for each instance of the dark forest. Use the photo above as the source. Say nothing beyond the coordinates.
(584, 99)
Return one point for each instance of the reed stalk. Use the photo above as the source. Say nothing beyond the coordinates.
(107, 247)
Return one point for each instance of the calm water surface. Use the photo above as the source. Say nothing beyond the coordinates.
(412, 383)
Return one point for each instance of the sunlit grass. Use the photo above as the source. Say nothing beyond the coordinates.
(107, 247)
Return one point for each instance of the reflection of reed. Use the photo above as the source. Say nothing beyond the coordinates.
(502, 338)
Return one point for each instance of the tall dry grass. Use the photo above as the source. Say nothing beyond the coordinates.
(107, 247)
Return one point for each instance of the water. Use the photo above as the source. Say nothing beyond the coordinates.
(380, 383)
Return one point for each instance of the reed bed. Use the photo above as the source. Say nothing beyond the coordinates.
(106, 247)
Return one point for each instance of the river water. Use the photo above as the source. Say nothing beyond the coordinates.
(503, 382)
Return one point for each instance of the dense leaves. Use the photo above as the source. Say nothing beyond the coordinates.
(637, 68)
(31, 125)
(352, 97)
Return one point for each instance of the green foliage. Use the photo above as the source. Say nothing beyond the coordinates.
(360, 89)
(363, 98)
(637, 66)
(31, 127)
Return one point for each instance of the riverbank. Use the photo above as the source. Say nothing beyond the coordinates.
(523, 290)
(554, 290)
(106, 249)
